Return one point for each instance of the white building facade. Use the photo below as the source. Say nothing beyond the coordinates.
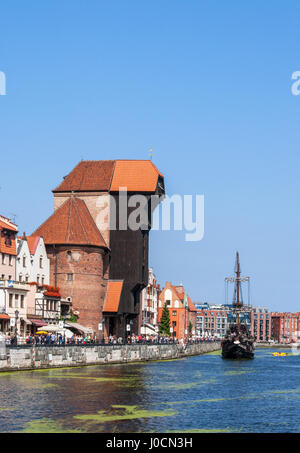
(149, 306)
(32, 264)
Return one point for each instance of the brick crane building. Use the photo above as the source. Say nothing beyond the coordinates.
(98, 263)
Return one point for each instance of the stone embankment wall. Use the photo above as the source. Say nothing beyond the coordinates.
(37, 357)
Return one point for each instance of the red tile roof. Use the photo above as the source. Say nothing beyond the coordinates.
(88, 175)
(71, 223)
(6, 224)
(113, 294)
(110, 175)
(135, 175)
(181, 292)
(32, 242)
(191, 305)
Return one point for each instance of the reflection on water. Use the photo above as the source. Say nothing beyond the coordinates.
(197, 394)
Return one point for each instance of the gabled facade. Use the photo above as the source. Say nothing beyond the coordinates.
(33, 264)
(181, 309)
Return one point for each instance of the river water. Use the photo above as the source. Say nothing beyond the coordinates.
(197, 394)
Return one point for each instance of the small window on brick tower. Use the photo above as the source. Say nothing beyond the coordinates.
(69, 277)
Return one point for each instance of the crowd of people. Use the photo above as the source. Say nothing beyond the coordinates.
(49, 339)
(52, 338)
(155, 339)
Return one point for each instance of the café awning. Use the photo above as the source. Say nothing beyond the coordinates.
(38, 323)
(4, 316)
(78, 327)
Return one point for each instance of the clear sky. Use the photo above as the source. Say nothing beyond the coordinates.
(206, 83)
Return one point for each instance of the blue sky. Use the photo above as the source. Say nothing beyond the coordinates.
(207, 84)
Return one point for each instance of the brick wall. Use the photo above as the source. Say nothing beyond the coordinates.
(86, 287)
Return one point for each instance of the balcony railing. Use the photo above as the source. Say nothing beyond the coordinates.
(13, 284)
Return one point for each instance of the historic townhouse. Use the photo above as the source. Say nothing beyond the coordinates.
(43, 303)
(12, 293)
(32, 264)
(98, 263)
(149, 306)
(181, 309)
(8, 250)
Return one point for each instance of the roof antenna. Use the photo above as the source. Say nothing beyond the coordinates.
(150, 153)
(13, 217)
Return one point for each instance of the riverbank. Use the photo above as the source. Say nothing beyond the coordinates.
(274, 345)
(39, 357)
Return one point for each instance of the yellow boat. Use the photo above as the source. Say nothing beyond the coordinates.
(279, 354)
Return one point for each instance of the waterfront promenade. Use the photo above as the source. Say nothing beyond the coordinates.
(30, 357)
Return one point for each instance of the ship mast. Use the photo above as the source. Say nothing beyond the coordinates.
(237, 302)
(237, 295)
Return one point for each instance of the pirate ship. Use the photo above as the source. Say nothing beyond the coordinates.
(238, 342)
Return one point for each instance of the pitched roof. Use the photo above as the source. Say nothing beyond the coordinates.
(7, 224)
(32, 242)
(113, 294)
(181, 292)
(191, 305)
(88, 175)
(110, 175)
(135, 175)
(71, 223)
(5, 246)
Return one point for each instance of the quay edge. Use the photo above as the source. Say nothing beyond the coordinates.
(43, 357)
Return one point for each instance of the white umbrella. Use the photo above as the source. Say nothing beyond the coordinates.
(50, 328)
(66, 332)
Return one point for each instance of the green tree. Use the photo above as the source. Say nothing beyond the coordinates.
(165, 321)
(190, 327)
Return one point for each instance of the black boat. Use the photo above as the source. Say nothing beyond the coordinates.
(238, 342)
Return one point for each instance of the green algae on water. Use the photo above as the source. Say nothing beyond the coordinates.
(235, 373)
(47, 425)
(121, 412)
(218, 352)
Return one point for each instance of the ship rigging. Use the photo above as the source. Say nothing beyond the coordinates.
(238, 342)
